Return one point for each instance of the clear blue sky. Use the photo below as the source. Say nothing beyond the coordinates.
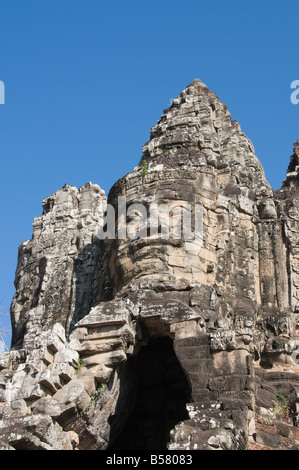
(86, 79)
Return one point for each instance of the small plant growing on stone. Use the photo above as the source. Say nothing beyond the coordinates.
(100, 391)
(80, 365)
(282, 405)
(144, 168)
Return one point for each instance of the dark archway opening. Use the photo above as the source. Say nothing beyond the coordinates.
(159, 402)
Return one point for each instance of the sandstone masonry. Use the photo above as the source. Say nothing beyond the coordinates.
(107, 332)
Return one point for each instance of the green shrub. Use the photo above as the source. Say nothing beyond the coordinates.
(282, 405)
(144, 168)
(100, 391)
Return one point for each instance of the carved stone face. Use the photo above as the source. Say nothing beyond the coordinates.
(222, 253)
(164, 223)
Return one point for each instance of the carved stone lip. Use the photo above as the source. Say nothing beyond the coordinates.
(136, 245)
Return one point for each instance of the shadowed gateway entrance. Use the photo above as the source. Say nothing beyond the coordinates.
(161, 393)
